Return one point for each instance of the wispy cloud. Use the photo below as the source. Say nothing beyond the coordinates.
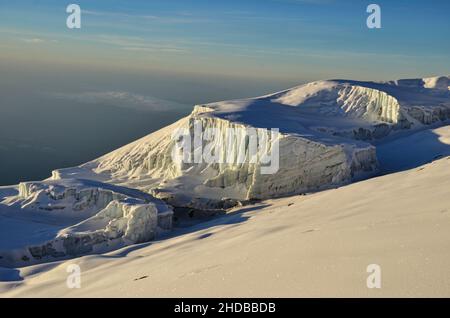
(120, 99)
(127, 43)
(38, 40)
(181, 18)
(131, 43)
(154, 49)
(33, 40)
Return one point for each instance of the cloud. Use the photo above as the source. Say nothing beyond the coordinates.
(38, 40)
(127, 43)
(121, 99)
(34, 40)
(154, 49)
(183, 18)
(138, 44)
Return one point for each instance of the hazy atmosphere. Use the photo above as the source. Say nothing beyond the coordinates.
(132, 69)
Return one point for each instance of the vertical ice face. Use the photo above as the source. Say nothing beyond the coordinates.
(369, 104)
(310, 166)
(305, 162)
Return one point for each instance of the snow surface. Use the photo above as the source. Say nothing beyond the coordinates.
(318, 245)
(331, 134)
(414, 150)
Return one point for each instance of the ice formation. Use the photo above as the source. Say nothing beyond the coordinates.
(327, 134)
(329, 131)
(81, 216)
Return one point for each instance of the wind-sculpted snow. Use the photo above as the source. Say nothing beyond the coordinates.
(308, 138)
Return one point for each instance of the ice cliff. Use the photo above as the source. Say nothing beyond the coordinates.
(328, 130)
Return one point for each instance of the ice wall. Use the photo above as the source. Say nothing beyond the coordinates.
(317, 145)
(304, 165)
(369, 104)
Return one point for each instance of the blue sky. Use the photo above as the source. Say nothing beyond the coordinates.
(289, 40)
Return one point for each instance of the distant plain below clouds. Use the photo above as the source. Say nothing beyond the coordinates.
(121, 99)
(11, 144)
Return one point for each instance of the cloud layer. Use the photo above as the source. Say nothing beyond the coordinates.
(121, 99)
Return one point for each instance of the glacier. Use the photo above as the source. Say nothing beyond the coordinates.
(329, 134)
(77, 217)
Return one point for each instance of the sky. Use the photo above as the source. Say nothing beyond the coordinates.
(274, 40)
(68, 96)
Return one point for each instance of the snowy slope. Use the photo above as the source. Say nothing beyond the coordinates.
(414, 150)
(313, 245)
